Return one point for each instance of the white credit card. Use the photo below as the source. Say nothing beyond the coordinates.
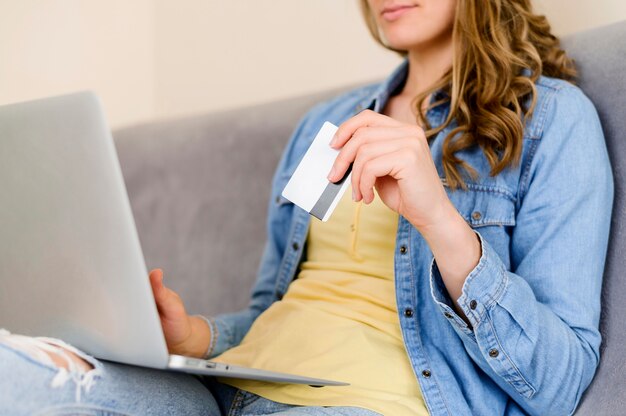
(309, 187)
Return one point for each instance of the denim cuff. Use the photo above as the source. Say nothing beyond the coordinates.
(215, 335)
(483, 287)
(222, 337)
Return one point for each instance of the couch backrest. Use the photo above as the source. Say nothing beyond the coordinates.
(199, 188)
(601, 57)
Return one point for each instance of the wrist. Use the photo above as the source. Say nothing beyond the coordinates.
(197, 344)
(447, 222)
(456, 249)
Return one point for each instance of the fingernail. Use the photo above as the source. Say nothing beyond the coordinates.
(332, 142)
(354, 195)
(331, 175)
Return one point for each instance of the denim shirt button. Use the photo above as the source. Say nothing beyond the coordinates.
(473, 304)
(493, 353)
(426, 373)
(403, 249)
(476, 215)
(447, 315)
(295, 246)
(408, 312)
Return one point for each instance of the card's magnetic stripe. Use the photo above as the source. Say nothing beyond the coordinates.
(328, 196)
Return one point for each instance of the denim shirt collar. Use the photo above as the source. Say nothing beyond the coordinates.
(377, 100)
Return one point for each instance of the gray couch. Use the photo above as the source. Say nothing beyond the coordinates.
(199, 189)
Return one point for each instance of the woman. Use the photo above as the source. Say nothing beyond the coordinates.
(451, 281)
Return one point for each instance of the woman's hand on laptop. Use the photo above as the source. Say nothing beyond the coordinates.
(184, 334)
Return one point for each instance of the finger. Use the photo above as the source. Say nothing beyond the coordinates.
(168, 302)
(385, 165)
(372, 151)
(363, 119)
(156, 281)
(171, 306)
(362, 136)
(156, 274)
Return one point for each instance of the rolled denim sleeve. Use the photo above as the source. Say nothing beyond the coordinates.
(483, 287)
(534, 328)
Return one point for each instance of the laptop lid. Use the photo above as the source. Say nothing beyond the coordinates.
(71, 265)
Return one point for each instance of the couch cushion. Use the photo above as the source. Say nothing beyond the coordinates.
(601, 58)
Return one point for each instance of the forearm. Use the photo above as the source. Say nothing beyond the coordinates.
(456, 249)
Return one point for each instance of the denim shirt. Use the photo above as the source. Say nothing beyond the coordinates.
(533, 300)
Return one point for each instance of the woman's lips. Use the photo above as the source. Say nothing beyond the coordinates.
(395, 13)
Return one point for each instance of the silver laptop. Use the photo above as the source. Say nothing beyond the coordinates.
(71, 265)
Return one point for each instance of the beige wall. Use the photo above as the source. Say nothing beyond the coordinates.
(51, 47)
(569, 16)
(216, 54)
(164, 58)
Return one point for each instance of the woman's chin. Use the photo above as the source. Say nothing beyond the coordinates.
(401, 45)
(405, 42)
(402, 42)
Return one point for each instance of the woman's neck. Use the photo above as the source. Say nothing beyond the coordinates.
(427, 64)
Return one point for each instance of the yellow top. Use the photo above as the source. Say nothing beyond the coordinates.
(338, 320)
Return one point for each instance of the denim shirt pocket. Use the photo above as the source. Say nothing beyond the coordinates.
(489, 210)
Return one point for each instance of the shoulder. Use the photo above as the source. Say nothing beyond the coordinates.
(559, 104)
(566, 137)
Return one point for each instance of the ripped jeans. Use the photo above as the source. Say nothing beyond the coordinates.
(31, 384)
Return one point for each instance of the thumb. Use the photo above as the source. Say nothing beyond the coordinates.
(156, 281)
(169, 304)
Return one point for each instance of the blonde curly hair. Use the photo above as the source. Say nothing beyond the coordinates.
(500, 49)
